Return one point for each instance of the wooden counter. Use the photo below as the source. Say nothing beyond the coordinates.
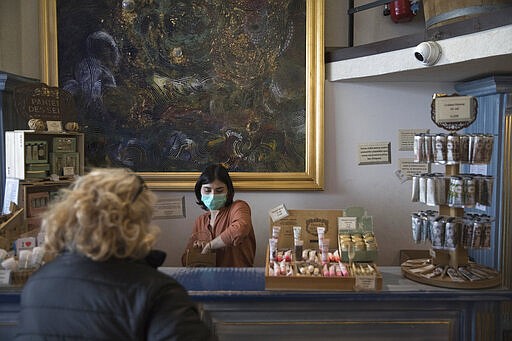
(235, 303)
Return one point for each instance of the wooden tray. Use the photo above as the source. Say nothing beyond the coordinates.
(410, 270)
(314, 283)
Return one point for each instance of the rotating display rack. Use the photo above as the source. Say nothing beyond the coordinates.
(450, 230)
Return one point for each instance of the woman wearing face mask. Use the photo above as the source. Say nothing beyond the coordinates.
(226, 227)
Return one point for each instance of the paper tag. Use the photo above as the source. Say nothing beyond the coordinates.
(68, 171)
(5, 277)
(278, 213)
(365, 282)
(12, 186)
(453, 109)
(25, 243)
(347, 223)
(54, 126)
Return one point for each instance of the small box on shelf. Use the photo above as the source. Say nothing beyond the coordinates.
(37, 202)
(64, 144)
(65, 164)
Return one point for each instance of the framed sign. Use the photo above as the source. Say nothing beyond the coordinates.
(453, 112)
(166, 88)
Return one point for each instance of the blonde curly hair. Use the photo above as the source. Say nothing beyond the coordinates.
(104, 214)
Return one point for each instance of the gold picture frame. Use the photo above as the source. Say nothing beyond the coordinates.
(312, 178)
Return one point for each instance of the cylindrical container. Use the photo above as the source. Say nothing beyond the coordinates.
(455, 192)
(423, 188)
(429, 155)
(485, 190)
(488, 142)
(416, 228)
(486, 233)
(476, 241)
(452, 149)
(425, 228)
(418, 147)
(440, 149)
(431, 191)
(451, 236)
(464, 148)
(468, 192)
(415, 195)
(477, 148)
(299, 244)
(400, 11)
(467, 232)
(441, 12)
(440, 189)
(437, 233)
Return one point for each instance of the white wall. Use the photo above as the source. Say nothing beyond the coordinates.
(19, 37)
(354, 113)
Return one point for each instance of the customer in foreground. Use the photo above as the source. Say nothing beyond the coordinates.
(99, 286)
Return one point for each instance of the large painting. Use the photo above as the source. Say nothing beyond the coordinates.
(166, 87)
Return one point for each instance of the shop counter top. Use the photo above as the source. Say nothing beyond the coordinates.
(249, 283)
(235, 303)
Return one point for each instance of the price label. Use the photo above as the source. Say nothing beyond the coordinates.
(366, 282)
(278, 213)
(347, 223)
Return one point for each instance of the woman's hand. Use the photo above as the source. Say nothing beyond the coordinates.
(199, 244)
(206, 249)
(214, 244)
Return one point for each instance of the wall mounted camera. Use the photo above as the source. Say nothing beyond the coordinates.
(428, 52)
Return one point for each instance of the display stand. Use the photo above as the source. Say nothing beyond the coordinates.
(451, 263)
(413, 269)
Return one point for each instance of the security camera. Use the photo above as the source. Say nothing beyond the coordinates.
(428, 52)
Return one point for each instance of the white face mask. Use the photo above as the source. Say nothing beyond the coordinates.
(214, 201)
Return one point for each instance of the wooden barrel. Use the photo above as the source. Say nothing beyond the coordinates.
(442, 12)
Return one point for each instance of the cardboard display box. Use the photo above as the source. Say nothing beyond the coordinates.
(358, 223)
(309, 220)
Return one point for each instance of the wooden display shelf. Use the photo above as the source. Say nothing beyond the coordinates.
(316, 283)
(298, 282)
(411, 269)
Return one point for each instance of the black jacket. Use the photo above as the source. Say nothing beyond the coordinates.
(75, 298)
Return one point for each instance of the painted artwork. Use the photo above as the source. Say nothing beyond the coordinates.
(171, 86)
(167, 87)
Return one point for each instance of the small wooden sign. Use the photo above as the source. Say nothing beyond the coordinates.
(453, 112)
(44, 102)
